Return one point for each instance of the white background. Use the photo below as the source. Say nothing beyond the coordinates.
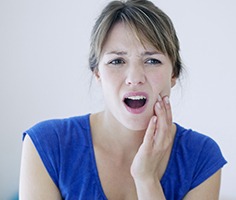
(44, 72)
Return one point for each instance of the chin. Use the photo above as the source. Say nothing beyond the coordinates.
(136, 124)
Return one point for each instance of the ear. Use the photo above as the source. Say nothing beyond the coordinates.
(173, 81)
(97, 74)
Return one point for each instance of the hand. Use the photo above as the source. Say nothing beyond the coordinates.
(157, 141)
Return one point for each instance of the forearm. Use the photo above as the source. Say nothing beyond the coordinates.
(149, 190)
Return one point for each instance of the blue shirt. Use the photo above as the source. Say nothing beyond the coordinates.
(66, 149)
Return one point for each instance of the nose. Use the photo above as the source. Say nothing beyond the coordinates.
(135, 75)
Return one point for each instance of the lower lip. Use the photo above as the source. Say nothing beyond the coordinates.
(136, 110)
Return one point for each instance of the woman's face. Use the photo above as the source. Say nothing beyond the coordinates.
(132, 75)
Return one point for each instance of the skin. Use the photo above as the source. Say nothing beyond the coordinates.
(126, 66)
(134, 157)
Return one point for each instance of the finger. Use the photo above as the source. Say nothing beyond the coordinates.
(163, 131)
(168, 110)
(161, 123)
(160, 111)
(148, 138)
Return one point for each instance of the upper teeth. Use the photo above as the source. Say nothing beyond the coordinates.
(136, 97)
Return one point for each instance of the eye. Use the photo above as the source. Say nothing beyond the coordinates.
(117, 61)
(153, 61)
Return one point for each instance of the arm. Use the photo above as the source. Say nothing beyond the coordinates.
(147, 161)
(35, 182)
(146, 167)
(149, 190)
(209, 189)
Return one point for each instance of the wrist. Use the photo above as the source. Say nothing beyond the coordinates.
(149, 189)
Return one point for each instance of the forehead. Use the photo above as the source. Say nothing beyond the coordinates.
(122, 35)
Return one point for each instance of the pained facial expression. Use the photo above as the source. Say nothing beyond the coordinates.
(132, 75)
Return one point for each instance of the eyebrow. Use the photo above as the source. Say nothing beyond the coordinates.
(117, 53)
(146, 53)
(150, 53)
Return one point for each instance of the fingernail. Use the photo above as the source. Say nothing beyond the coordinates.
(167, 100)
(158, 105)
(154, 119)
(159, 97)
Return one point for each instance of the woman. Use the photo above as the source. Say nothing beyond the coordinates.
(132, 149)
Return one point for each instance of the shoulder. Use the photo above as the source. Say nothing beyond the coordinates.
(56, 128)
(200, 155)
(194, 158)
(34, 179)
(194, 141)
(58, 141)
(57, 137)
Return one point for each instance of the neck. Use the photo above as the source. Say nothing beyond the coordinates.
(106, 128)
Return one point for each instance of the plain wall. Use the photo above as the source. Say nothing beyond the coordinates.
(44, 73)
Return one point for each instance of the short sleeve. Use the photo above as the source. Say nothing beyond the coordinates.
(209, 161)
(46, 142)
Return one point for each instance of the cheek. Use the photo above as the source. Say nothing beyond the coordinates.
(110, 81)
(162, 83)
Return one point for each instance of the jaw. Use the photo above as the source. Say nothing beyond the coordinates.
(128, 121)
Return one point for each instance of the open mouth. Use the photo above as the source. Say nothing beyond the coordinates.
(135, 102)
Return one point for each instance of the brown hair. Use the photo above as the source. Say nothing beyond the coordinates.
(148, 22)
